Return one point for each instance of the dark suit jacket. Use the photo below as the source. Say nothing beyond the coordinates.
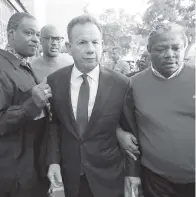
(98, 150)
(20, 136)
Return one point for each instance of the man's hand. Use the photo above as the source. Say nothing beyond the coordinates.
(132, 186)
(128, 142)
(41, 93)
(54, 175)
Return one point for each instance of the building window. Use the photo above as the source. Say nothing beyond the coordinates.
(6, 11)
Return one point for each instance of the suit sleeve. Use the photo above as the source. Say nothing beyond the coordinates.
(53, 144)
(128, 123)
(12, 117)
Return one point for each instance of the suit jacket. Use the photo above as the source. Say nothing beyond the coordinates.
(20, 136)
(98, 150)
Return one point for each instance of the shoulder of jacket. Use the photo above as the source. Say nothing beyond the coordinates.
(118, 77)
(61, 72)
(5, 64)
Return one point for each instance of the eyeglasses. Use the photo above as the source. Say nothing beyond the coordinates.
(51, 39)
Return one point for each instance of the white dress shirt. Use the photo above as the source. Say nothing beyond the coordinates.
(76, 81)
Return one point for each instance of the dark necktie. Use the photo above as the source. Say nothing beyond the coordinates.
(82, 107)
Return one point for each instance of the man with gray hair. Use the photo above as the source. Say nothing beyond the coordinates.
(89, 102)
(164, 107)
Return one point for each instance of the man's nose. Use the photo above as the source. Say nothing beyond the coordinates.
(90, 48)
(35, 38)
(169, 53)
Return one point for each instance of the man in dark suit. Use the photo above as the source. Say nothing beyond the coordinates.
(22, 115)
(89, 102)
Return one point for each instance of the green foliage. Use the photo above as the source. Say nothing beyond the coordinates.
(121, 29)
(118, 28)
(180, 11)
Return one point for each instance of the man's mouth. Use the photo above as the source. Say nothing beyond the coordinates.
(169, 62)
(54, 49)
(33, 46)
(89, 58)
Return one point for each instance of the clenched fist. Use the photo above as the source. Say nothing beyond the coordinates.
(41, 93)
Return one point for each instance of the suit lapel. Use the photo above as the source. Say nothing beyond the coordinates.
(105, 85)
(64, 98)
(64, 94)
(37, 81)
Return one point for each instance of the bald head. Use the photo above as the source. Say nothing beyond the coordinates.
(50, 30)
(51, 40)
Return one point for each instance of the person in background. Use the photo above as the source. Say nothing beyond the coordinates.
(164, 98)
(142, 63)
(23, 112)
(52, 59)
(190, 55)
(89, 103)
(132, 68)
(117, 63)
(132, 65)
(65, 56)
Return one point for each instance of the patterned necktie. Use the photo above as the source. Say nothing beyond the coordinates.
(82, 107)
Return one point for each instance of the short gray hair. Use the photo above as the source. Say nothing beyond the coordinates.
(82, 19)
(16, 19)
(166, 27)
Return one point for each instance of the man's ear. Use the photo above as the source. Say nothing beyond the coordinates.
(68, 47)
(10, 34)
(102, 46)
(41, 40)
(149, 48)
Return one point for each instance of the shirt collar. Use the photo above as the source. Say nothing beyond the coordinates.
(158, 74)
(94, 74)
(11, 50)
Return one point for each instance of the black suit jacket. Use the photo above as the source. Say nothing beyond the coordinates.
(20, 136)
(98, 150)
